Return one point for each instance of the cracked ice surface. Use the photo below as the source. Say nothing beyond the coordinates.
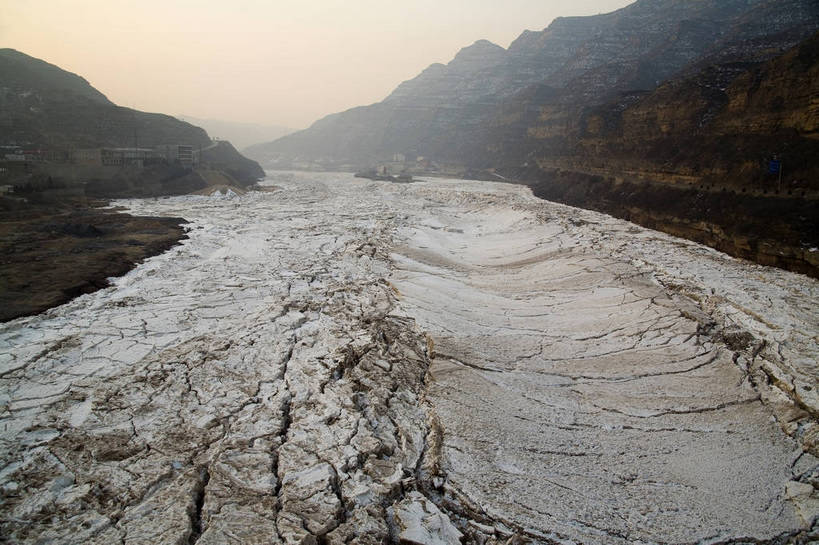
(269, 380)
(245, 387)
(602, 383)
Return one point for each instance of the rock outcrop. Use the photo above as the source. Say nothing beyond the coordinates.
(223, 157)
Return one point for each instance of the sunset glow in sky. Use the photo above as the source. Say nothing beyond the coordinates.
(282, 62)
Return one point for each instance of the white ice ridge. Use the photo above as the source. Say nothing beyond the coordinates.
(336, 360)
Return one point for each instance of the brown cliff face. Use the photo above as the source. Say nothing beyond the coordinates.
(781, 96)
(724, 121)
(692, 159)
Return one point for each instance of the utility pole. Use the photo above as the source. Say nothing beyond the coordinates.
(133, 117)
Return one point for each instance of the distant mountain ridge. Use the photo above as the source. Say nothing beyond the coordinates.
(466, 111)
(241, 135)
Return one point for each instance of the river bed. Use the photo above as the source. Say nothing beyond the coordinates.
(336, 360)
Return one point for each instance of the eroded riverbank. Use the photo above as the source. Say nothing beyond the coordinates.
(51, 254)
(345, 361)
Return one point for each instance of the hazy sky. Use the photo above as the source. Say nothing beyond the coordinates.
(283, 62)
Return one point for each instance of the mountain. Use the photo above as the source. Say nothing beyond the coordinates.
(698, 158)
(43, 105)
(713, 124)
(671, 113)
(478, 110)
(241, 135)
(224, 157)
(22, 73)
(47, 108)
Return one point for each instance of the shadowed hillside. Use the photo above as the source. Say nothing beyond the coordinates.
(666, 112)
(65, 147)
(480, 109)
(54, 112)
(43, 105)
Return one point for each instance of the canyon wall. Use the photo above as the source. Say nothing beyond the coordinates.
(666, 112)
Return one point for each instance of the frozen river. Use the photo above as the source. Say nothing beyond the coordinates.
(335, 360)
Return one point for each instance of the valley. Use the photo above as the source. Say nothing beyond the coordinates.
(343, 364)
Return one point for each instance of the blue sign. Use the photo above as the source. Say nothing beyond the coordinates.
(775, 166)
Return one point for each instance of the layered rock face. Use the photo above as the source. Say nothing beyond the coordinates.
(692, 158)
(716, 126)
(343, 361)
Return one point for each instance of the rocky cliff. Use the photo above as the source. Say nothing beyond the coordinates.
(718, 125)
(693, 158)
(632, 112)
(479, 109)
